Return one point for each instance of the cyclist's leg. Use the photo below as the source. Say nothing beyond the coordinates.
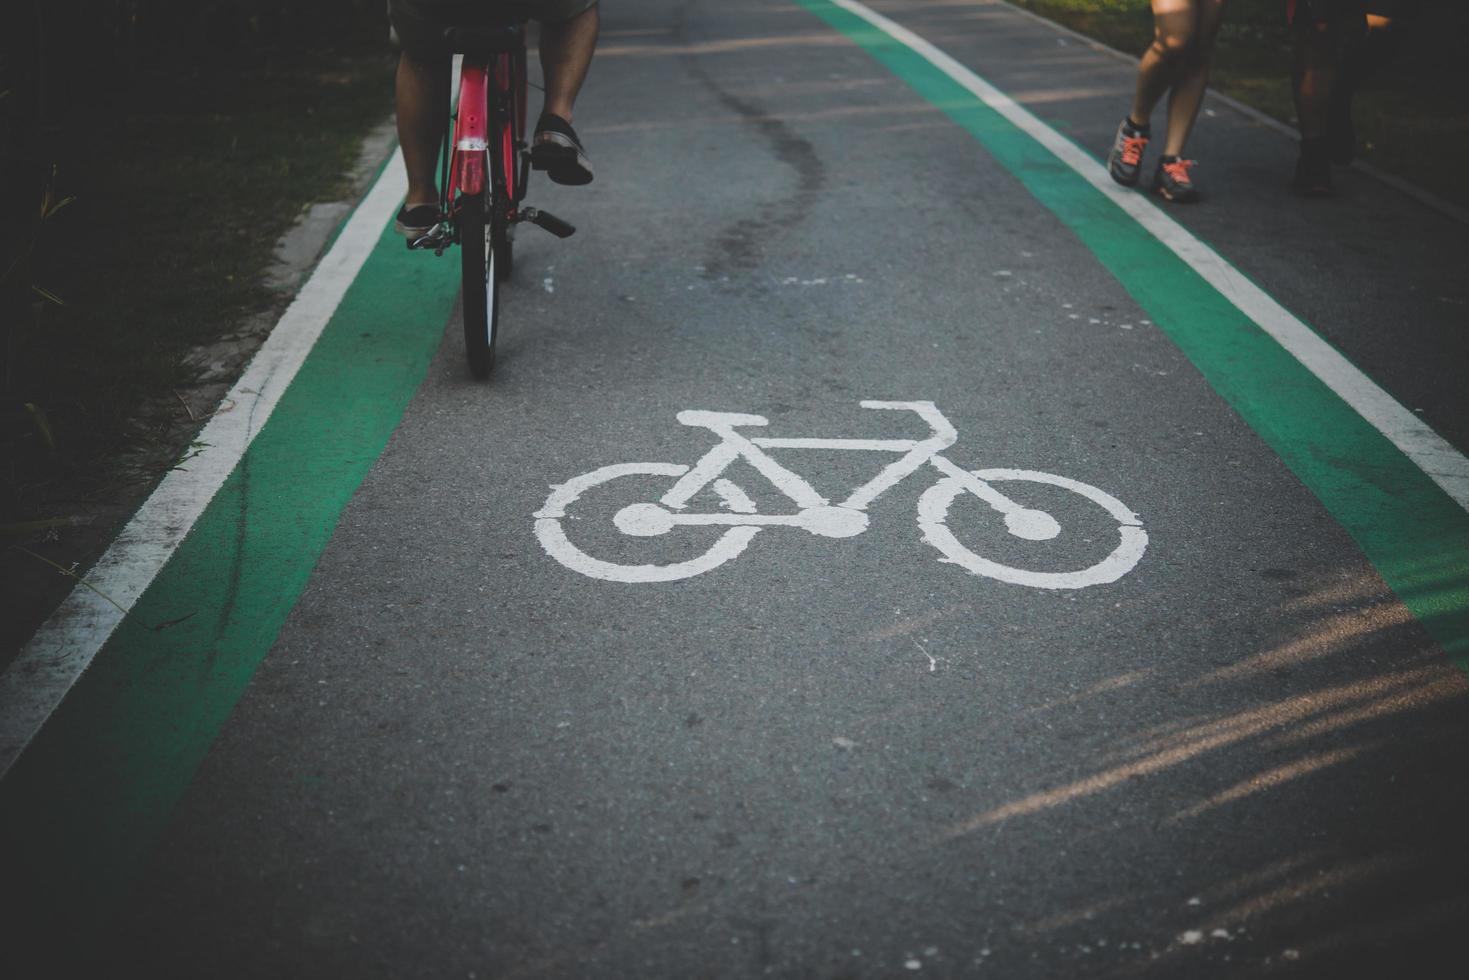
(422, 101)
(422, 97)
(568, 41)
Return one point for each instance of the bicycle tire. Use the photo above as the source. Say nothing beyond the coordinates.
(503, 239)
(510, 83)
(481, 303)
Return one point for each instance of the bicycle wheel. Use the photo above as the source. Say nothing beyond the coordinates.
(933, 515)
(510, 111)
(481, 284)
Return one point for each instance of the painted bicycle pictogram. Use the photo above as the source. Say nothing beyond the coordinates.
(817, 515)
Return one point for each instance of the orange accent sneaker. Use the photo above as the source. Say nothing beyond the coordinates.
(1124, 163)
(1174, 182)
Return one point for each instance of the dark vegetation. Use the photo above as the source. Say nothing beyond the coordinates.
(151, 154)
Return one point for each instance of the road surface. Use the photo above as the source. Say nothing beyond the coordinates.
(400, 707)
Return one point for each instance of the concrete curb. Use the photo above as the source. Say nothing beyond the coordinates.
(297, 251)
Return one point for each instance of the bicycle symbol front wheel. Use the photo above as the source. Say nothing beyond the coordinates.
(933, 516)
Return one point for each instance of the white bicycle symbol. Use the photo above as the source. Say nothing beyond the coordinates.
(819, 516)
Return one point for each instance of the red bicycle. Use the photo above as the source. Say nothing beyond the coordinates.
(485, 168)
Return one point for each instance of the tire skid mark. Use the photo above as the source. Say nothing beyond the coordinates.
(738, 247)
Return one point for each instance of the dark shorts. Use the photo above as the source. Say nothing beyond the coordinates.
(420, 24)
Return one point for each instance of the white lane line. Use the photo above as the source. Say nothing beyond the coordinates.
(53, 659)
(1429, 451)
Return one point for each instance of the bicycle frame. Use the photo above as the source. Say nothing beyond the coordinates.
(488, 132)
(485, 166)
(470, 159)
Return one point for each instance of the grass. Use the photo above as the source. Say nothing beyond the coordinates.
(1412, 117)
(165, 219)
(163, 249)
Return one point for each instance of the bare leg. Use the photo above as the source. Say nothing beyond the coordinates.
(423, 111)
(566, 54)
(1187, 94)
(1315, 74)
(1173, 29)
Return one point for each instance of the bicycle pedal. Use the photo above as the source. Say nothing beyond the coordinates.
(437, 239)
(548, 221)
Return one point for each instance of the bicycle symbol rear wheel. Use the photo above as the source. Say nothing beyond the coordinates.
(933, 514)
(552, 534)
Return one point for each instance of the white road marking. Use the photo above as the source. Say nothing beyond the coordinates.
(648, 519)
(58, 653)
(933, 663)
(733, 497)
(553, 537)
(1429, 451)
(933, 512)
(819, 281)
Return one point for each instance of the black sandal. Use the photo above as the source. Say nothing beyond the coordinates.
(417, 220)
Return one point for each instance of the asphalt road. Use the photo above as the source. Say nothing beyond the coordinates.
(848, 756)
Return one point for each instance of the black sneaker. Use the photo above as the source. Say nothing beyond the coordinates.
(416, 221)
(1313, 169)
(1173, 182)
(1125, 162)
(557, 151)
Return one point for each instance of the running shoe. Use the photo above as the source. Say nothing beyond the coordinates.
(557, 151)
(416, 221)
(1173, 182)
(1125, 162)
(1313, 169)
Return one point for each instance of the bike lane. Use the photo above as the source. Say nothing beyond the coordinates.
(460, 748)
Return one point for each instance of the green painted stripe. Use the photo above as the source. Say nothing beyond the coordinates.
(97, 785)
(1411, 531)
